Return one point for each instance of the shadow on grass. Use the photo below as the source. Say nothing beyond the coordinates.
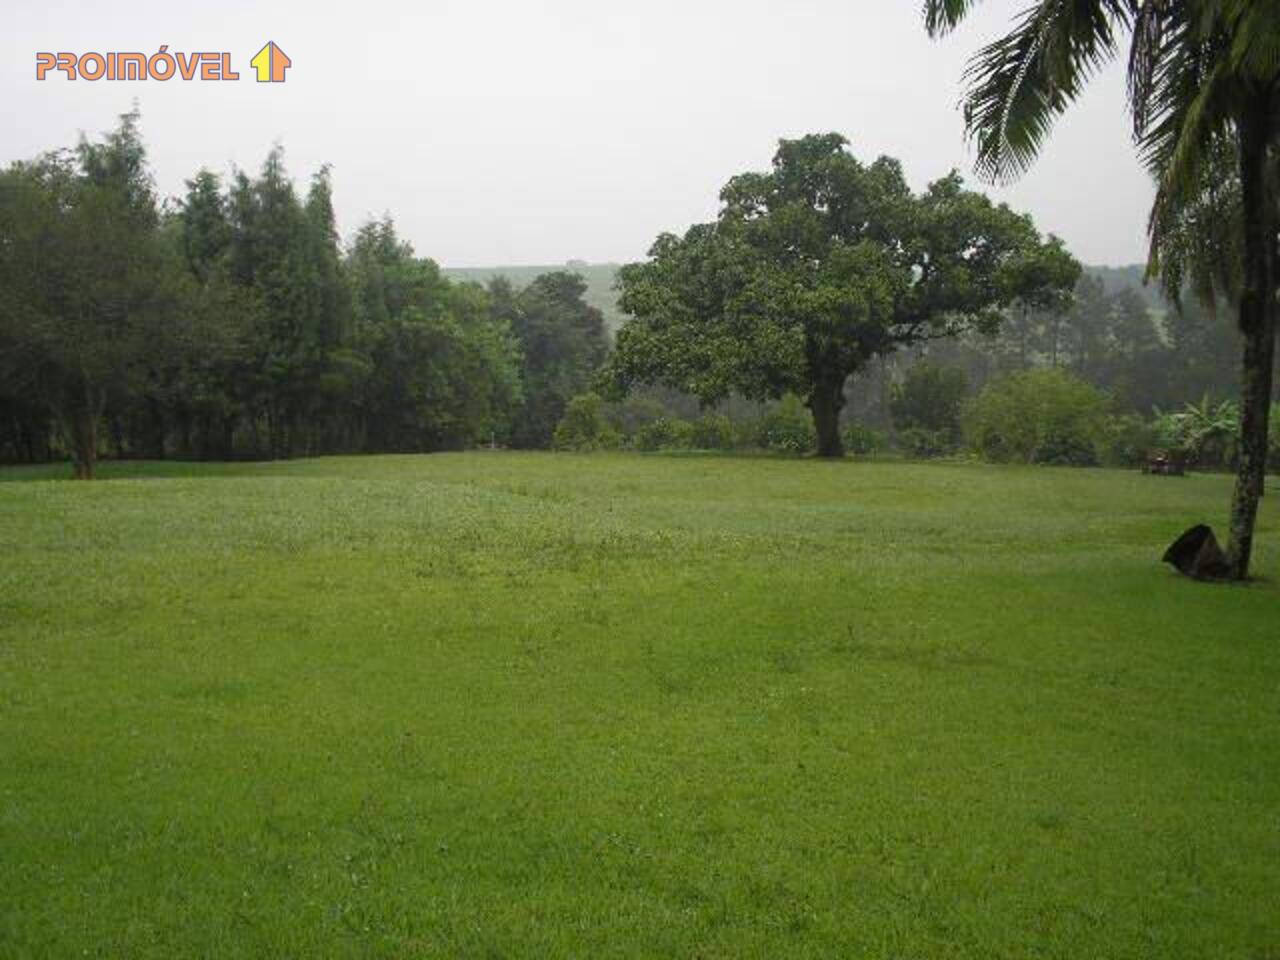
(134, 470)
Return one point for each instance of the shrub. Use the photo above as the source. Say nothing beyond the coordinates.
(1129, 440)
(1068, 448)
(712, 431)
(1167, 430)
(1041, 416)
(862, 441)
(922, 443)
(926, 409)
(788, 428)
(665, 433)
(747, 433)
(632, 413)
(583, 428)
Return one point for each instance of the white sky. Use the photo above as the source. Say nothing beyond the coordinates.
(504, 132)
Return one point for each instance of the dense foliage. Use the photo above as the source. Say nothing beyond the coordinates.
(818, 267)
(926, 408)
(562, 343)
(1042, 416)
(233, 323)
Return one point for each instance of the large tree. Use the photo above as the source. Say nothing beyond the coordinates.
(86, 283)
(562, 342)
(440, 370)
(1203, 75)
(817, 267)
(286, 251)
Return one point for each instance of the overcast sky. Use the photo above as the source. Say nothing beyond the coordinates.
(503, 132)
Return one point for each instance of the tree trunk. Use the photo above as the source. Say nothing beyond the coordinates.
(825, 402)
(1257, 327)
(118, 439)
(228, 437)
(84, 442)
(156, 429)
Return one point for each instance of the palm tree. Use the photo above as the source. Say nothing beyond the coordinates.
(1204, 78)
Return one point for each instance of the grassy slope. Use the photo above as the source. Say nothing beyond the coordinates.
(537, 705)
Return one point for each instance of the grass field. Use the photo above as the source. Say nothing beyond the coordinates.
(504, 705)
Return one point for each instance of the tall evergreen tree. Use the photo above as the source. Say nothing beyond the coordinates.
(87, 280)
(562, 342)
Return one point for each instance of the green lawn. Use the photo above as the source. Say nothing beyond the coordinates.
(509, 705)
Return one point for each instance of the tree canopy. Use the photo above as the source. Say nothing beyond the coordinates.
(816, 267)
(235, 323)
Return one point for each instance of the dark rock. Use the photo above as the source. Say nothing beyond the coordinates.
(1196, 553)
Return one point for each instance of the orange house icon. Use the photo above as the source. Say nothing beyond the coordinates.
(271, 63)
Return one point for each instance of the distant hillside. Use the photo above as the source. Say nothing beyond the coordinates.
(600, 276)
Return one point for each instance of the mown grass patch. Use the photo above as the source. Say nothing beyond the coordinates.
(525, 705)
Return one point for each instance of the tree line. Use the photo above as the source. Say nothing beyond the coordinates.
(1144, 352)
(233, 322)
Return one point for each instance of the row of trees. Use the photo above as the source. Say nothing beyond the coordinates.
(1125, 340)
(1116, 341)
(234, 323)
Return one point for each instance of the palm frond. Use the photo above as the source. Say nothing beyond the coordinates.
(1188, 146)
(1153, 23)
(1196, 239)
(1254, 26)
(1181, 87)
(943, 16)
(1018, 85)
(1178, 147)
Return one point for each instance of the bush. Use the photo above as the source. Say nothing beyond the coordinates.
(1167, 430)
(1129, 440)
(788, 428)
(712, 431)
(926, 409)
(665, 433)
(862, 441)
(630, 414)
(747, 433)
(1041, 416)
(583, 428)
(923, 444)
(1068, 449)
